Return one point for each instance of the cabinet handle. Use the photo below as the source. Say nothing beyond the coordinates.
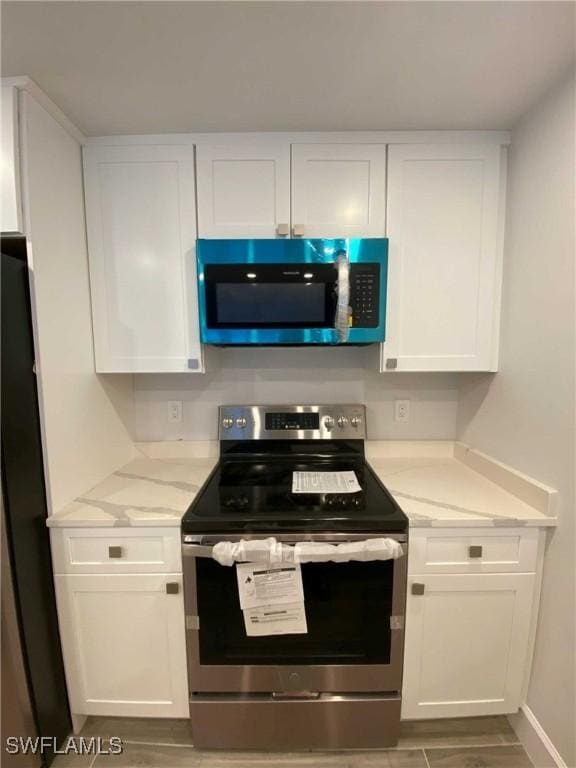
(391, 363)
(418, 589)
(475, 551)
(282, 230)
(298, 230)
(114, 551)
(172, 588)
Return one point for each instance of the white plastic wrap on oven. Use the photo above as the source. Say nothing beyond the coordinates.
(272, 552)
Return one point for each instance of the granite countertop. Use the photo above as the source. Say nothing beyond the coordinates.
(433, 483)
(444, 492)
(145, 492)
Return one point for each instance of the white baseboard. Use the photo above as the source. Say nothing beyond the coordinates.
(535, 740)
(77, 723)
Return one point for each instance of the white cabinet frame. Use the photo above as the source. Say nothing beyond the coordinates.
(429, 657)
(257, 201)
(123, 642)
(316, 168)
(470, 621)
(431, 230)
(114, 235)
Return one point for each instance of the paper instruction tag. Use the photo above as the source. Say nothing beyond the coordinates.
(325, 482)
(288, 619)
(263, 585)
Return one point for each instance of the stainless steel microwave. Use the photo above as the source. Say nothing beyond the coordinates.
(292, 292)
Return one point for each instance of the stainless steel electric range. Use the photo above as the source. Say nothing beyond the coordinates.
(338, 684)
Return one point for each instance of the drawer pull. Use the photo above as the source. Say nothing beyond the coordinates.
(114, 551)
(475, 551)
(418, 589)
(172, 588)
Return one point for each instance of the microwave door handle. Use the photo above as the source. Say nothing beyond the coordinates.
(341, 322)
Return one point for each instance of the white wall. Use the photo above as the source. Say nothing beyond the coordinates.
(85, 418)
(307, 375)
(524, 416)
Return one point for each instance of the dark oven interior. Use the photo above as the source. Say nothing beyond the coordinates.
(348, 608)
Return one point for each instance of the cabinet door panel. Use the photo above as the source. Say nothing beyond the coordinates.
(243, 190)
(10, 200)
(141, 233)
(443, 224)
(339, 190)
(123, 640)
(466, 644)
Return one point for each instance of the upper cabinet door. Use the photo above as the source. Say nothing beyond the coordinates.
(140, 203)
(10, 201)
(243, 190)
(445, 249)
(338, 190)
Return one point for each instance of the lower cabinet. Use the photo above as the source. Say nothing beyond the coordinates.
(123, 639)
(470, 623)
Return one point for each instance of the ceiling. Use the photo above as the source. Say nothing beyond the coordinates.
(154, 67)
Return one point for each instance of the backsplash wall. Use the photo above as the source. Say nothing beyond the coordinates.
(308, 375)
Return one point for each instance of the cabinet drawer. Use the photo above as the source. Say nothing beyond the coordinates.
(95, 550)
(473, 551)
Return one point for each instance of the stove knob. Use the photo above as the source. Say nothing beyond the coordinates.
(355, 421)
(328, 422)
(342, 421)
(241, 422)
(227, 422)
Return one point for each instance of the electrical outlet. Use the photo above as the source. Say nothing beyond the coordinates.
(401, 410)
(175, 410)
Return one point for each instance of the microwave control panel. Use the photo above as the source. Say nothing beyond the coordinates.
(364, 294)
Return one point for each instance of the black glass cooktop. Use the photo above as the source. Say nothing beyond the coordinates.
(253, 492)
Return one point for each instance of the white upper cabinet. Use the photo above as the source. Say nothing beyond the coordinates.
(338, 190)
(140, 203)
(10, 201)
(444, 227)
(440, 206)
(243, 190)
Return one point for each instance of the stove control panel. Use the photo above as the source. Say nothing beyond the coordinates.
(292, 422)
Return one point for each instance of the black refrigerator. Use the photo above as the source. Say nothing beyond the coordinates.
(24, 515)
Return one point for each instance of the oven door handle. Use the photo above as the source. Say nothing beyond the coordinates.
(196, 550)
(329, 537)
(205, 550)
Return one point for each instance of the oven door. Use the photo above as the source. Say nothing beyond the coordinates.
(355, 617)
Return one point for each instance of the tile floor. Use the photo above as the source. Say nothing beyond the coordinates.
(483, 742)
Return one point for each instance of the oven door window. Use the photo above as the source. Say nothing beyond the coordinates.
(348, 608)
(270, 295)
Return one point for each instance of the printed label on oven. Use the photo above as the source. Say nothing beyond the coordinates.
(262, 585)
(325, 482)
(276, 620)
